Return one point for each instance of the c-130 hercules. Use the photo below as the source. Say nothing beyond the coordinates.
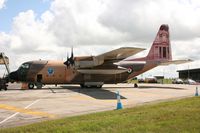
(108, 68)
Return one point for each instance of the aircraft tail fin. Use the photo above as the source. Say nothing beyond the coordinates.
(161, 47)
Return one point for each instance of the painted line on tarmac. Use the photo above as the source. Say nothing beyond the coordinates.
(25, 110)
(13, 115)
(9, 118)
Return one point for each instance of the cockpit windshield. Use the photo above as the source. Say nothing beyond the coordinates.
(25, 66)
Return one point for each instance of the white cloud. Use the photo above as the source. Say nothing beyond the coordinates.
(2, 3)
(140, 17)
(189, 48)
(97, 26)
(79, 21)
(30, 33)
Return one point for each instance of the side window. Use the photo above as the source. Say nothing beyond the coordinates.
(25, 66)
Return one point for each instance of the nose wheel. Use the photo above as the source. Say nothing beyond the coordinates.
(30, 85)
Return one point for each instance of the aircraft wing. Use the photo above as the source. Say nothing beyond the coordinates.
(120, 53)
(117, 54)
(176, 62)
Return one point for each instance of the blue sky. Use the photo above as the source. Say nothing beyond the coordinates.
(14, 7)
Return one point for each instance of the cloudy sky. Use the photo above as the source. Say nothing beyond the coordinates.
(46, 29)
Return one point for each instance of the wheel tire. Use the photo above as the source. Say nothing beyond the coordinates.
(30, 85)
(82, 85)
(6, 88)
(39, 86)
(88, 86)
(99, 86)
(135, 85)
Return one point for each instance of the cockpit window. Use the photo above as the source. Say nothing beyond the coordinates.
(25, 66)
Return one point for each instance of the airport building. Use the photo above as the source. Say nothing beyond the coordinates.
(190, 73)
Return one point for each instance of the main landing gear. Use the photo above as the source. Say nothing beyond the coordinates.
(31, 85)
(135, 85)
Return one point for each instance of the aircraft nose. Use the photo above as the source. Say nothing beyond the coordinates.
(14, 76)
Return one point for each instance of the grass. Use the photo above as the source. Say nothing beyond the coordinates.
(167, 117)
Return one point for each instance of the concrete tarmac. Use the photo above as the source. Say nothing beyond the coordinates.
(20, 107)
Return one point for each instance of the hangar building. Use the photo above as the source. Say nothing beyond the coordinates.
(190, 73)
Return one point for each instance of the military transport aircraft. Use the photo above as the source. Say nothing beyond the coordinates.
(93, 71)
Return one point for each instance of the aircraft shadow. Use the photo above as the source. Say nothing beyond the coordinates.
(160, 87)
(97, 93)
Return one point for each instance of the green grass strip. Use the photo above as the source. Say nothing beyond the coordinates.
(181, 116)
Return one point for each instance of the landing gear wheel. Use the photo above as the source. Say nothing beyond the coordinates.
(82, 85)
(6, 88)
(30, 85)
(99, 86)
(88, 86)
(39, 85)
(135, 85)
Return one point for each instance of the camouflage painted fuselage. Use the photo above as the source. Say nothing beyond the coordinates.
(55, 72)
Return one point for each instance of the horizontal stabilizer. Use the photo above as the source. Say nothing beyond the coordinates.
(176, 62)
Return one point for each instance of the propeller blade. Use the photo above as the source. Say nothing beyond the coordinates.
(70, 60)
(67, 56)
(72, 53)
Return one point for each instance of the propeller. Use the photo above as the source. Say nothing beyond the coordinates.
(70, 61)
(67, 61)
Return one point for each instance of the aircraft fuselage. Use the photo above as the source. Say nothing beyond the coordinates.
(55, 72)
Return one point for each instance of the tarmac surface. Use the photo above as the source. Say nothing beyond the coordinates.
(21, 107)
